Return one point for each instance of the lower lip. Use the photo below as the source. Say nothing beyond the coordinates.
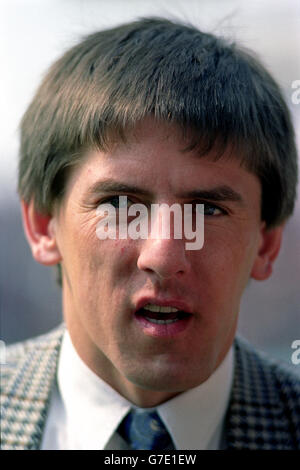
(163, 330)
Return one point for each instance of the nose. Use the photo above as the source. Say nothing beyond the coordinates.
(164, 258)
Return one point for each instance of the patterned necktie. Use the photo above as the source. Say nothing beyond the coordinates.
(144, 430)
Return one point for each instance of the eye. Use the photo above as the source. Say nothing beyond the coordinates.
(211, 209)
(119, 202)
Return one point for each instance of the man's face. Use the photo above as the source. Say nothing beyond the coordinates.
(106, 281)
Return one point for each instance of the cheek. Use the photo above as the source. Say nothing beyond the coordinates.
(226, 260)
(80, 251)
(109, 263)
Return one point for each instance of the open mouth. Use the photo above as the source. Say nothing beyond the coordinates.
(162, 318)
(161, 315)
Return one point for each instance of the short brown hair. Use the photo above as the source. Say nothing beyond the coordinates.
(153, 66)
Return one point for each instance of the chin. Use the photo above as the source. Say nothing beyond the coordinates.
(168, 381)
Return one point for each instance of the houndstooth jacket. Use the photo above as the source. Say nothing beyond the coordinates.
(264, 411)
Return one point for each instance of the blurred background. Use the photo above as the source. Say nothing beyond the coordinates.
(33, 34)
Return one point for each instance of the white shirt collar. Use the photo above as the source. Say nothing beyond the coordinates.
(93, 409)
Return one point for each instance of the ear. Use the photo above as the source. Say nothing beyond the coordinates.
(268, 251)
(40, 233)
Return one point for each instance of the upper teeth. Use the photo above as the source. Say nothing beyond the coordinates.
(159, 308)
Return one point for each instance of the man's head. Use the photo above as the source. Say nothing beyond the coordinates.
(159, 112)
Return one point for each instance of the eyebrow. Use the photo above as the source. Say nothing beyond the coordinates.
(112, 186)
(217, 193)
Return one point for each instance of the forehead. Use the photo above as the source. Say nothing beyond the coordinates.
(154, 157)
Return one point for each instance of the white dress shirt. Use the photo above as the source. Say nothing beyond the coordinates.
(85, 411)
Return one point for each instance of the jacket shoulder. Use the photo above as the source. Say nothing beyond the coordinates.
(17, 353)
(27, 378)
(265, 404)
(272, 371)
